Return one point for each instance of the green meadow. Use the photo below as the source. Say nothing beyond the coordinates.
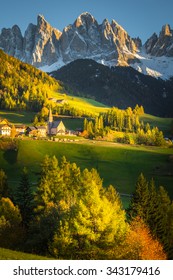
(117, 164)
(17, 117)
(164, 124)
(6, 254)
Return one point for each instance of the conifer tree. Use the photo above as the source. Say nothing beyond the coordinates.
(4, 192)
(170, 232)
(167, 212)
(139, 202)
(24, 198)
(156, 219)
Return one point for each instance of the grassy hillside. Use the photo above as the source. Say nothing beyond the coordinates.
(6, 254)
(23, 86)
(164, 124)
(17, 117)
(117, 164)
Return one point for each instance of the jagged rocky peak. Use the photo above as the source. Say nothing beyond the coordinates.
(41, 20)
(11, 41)
(107, 26)
(80, 39)
(41, 43)
(149, 44)
(161, 45)
(107, 32)
(44, 26)
(85, 19)
(166, 30)
(138, 42)
(16, 30)
(124, 40)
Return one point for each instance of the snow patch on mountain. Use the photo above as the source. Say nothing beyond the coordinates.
(157, 67)
(53, 67)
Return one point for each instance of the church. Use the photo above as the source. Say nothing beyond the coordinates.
(55, 127)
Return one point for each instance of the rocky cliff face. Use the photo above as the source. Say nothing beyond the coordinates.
(39, 46)
(107, 43)
(162, 44)
(85, 38)
(11, 41)
(43, 45)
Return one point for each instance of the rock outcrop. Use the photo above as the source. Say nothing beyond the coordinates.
(11, 41)
(162, 44)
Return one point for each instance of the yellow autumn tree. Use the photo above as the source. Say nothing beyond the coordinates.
(140, 244)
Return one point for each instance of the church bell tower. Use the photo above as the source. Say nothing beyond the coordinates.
(50, 122)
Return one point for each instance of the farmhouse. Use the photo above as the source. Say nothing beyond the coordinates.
(5, 130)
(37, 131)
(31, 131)
(20, 128)
(41, 131)
(55, 127)
(4, 121)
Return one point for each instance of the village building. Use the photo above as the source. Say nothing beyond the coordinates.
(62, 101)
(20, 128)
(41, 131)
(31, 131)
(3, 121)
(59, 101)
(5, 130)
(55, 127)
(36, 131)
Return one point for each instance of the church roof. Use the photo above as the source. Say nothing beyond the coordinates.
(55, 124)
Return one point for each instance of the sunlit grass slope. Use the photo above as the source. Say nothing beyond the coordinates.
(164, 124)
(6, 254)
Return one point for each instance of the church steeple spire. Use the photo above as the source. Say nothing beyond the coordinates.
(50, 120)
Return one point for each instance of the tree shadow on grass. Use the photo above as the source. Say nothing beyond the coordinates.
(10, 156)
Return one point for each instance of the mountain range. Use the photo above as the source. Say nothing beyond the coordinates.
(107, 43)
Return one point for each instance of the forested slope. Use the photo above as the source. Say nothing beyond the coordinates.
(22, 86)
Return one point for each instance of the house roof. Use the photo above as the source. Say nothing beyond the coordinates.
(4, 125)
(3, 121)
(41, 127)
(31, 127)
(55, 124)
(20, 126)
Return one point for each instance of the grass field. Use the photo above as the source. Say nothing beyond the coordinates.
(17, 117)
(85, 104)
(6, 254)
(164, 124)
(119, 165)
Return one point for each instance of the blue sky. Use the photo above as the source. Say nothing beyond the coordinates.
(138, 18)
